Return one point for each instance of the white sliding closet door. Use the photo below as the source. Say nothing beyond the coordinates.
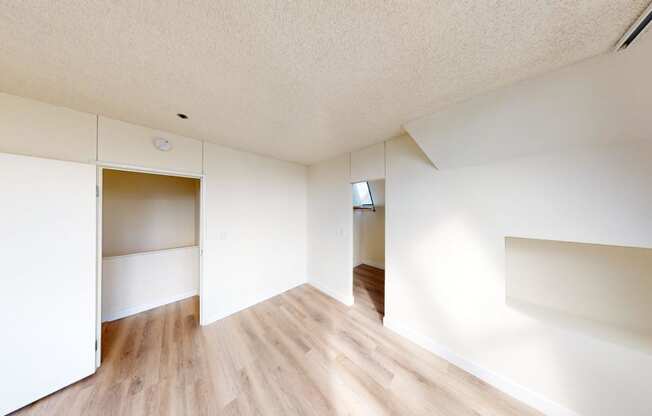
(47, 277)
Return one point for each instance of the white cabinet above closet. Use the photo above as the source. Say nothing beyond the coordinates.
(127, 144)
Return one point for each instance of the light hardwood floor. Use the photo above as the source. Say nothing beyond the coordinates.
(300, 353)
(369, 292)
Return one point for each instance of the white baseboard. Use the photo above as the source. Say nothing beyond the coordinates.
(373, 263)
(345, 299)
(532, 399)
(123, 313)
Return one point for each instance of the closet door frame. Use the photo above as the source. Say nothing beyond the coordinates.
(99, 192)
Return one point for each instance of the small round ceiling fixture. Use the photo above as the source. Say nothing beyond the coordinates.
(162, 144)
(182, 116)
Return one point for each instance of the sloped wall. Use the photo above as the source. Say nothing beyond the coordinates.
(446, 277)
(598, 101)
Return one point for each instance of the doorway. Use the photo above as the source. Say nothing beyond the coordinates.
(149, 243)
(369, 248)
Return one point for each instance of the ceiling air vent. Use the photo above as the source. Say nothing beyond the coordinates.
(635, 30)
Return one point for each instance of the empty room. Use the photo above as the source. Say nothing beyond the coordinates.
(326, 208)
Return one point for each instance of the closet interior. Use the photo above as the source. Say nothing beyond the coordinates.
(150, 241)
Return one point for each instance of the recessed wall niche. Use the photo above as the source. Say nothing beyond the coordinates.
(601, 290)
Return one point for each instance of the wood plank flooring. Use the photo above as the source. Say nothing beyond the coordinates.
(369, 291)
(300, 353)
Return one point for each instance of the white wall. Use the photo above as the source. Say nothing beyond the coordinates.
(445, 283)
(563, 157)
(357, 226)
(256, 219)
(368, 163)
(255, 216)
(603, 290)
(134, 283)
(255, 210)
(131, 145)
(369, 237)
(330, 228)
(601, 100)
(32, 128)
(145, 212)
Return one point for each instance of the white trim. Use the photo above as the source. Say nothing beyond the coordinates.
(98, 266)
(202, 234)
(152, 252)
(372, 263)
(101, 165)
(133, 168)
(525, 395)
(123, 313)
(345, 299)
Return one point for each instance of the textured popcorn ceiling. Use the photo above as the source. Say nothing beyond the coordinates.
(300, 81)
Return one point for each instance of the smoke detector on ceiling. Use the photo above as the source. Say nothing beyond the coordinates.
(638, 28)
(163, 145)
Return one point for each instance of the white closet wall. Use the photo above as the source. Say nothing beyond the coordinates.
(369, 227)
(48, 249)
(138, 282)
(147, 212)
(48, 282)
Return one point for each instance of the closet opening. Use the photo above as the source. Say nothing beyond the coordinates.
(369, 248)
(149, 246)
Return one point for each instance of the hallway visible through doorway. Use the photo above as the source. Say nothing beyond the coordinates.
(369, 291)
(369, 248)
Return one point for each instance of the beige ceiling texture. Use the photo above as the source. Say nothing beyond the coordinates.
(300, 81)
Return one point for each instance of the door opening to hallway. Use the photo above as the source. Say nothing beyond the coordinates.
(369, 248)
